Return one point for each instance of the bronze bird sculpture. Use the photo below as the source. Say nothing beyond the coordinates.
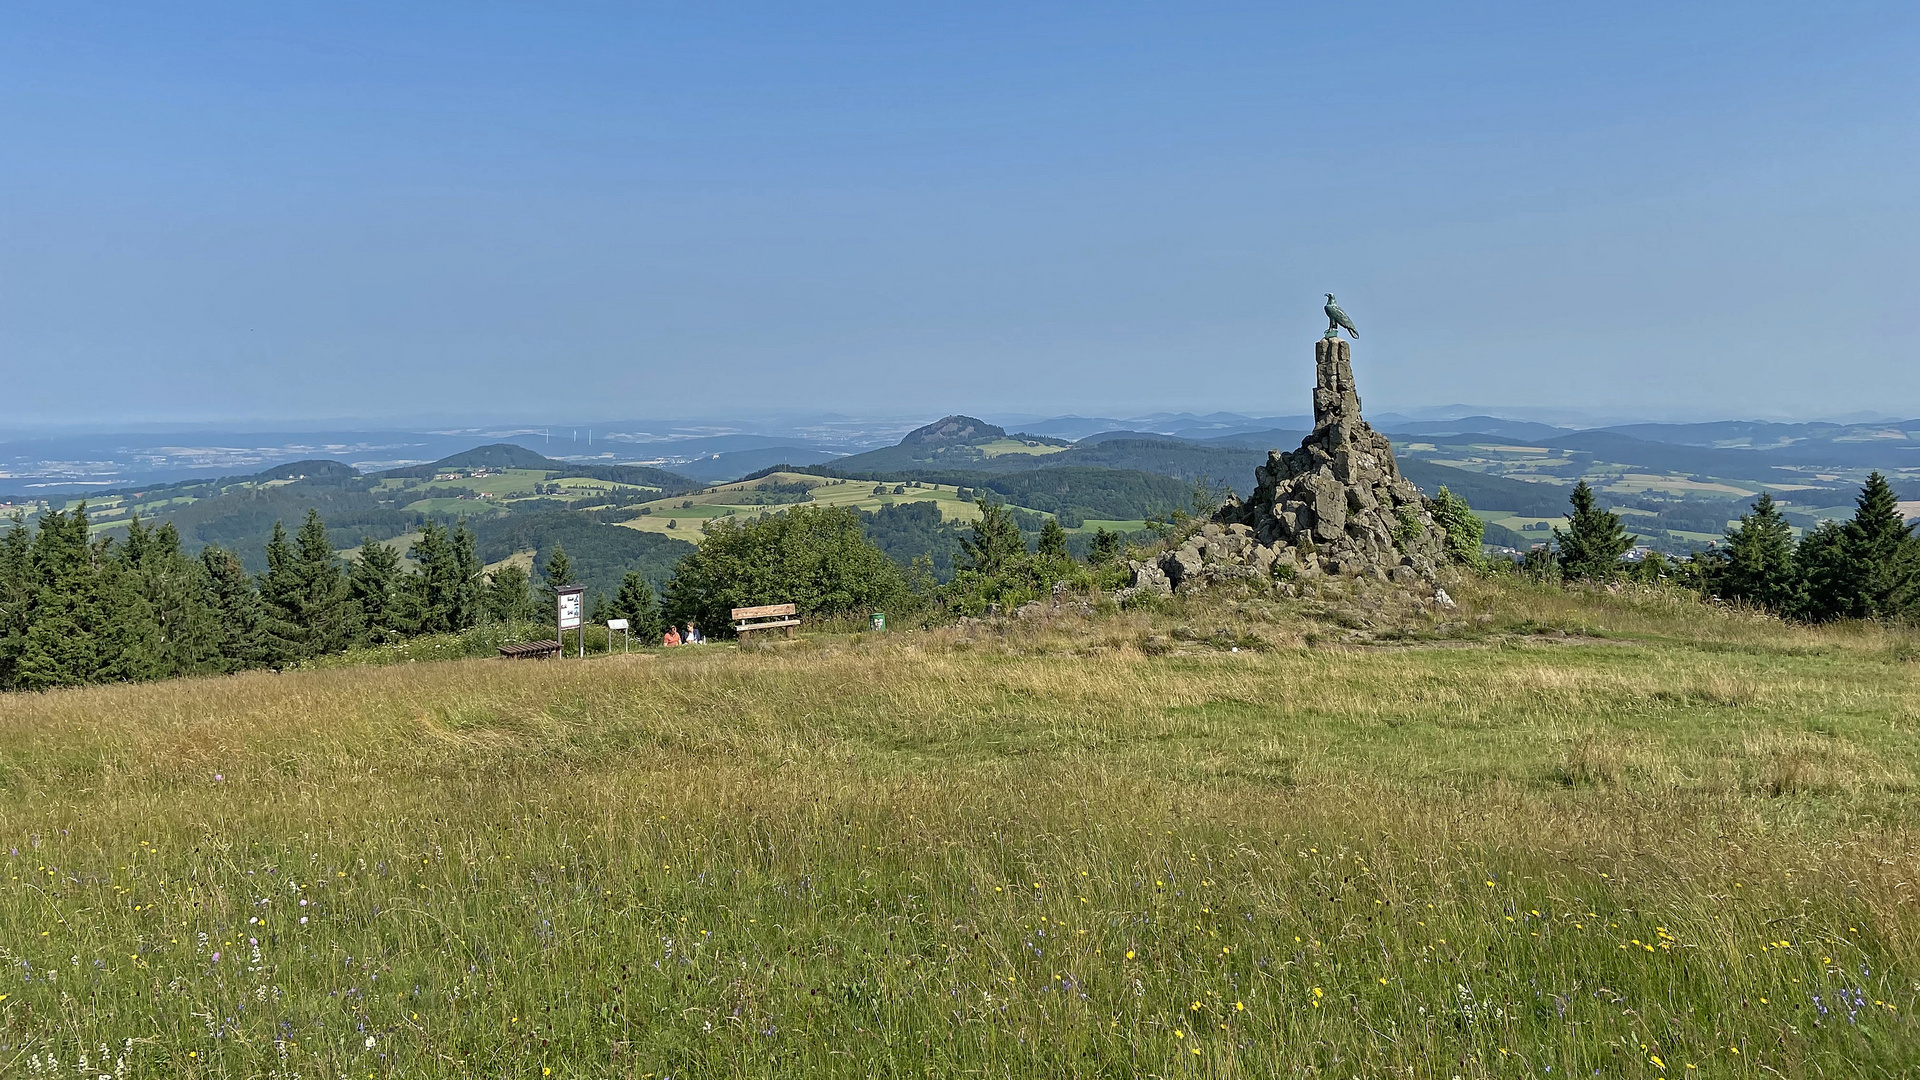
(1337, 320)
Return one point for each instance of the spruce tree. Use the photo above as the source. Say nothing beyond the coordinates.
(16, 597)
(332, 619)
(58, 647)
(636, 603)
(86, 620)
(1053, 541)
(305, 590)
(1826, 577)
(509, 596)
(250, 635)
(374, 579)
(1880, 556)
(187, 630)
(1759, 559)
(1104, 548)
(1594, 541)
(436, 585)
(470, 576)
(279, 586)
(995, 545)
(558, 571)
(127, 639)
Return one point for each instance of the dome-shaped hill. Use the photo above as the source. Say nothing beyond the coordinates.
(953, 431)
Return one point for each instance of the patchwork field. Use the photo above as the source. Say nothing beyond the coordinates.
(682, 516)
(1349, 835)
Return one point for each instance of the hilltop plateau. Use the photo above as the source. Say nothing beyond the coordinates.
(1621, 833)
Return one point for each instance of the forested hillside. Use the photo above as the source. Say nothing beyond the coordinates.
(601, 554)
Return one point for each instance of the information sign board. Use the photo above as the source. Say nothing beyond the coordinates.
(570, 606)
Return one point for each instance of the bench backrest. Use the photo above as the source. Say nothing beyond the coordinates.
(767, 611)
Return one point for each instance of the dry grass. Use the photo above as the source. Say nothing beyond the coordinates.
(1673, 833)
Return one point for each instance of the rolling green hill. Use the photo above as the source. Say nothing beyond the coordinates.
(482, 484)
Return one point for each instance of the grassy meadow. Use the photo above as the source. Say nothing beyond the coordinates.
(1539, 834)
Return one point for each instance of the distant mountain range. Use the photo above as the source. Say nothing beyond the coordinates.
(1724, 458)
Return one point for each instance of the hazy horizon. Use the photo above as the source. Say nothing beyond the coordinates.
(218, 215)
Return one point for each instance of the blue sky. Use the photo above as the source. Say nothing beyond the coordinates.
(571, 210)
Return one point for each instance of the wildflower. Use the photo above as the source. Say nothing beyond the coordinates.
(369, 1042)
(1129, 954)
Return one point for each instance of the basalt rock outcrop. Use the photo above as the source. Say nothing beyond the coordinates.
(1337, 505)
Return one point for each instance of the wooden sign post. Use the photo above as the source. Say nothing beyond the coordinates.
(620, 625)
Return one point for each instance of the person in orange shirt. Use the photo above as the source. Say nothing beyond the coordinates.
(670, 638)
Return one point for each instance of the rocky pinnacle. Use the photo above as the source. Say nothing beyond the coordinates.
(1336, 505)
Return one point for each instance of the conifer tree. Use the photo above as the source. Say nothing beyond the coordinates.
(332, 618)
(305, 589)
(128, 644)
(509, 595)
(636, 603)
(85, 621)
(1759, 559)
(995, 544)
(1104, 548)
(375, 580)
(57, 645)
(1826, 576)
(278, 586)
(470, 576)
(1053, 541)
(16, 597)
(187, 629)
(558, 571)
(1594, 541)
(251, 636)
(1880, 556)
(437, 586)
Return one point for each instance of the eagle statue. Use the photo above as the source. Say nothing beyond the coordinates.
(1337, 320)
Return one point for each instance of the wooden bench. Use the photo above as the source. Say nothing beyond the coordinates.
(531, 650)
(768, 617)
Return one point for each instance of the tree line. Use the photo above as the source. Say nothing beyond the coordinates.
(77, 609)
(74, 609)
(1866, 567)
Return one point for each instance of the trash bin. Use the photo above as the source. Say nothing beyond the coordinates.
(879, 620)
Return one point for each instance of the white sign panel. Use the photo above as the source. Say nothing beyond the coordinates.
(616, 624)
(570, 610)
